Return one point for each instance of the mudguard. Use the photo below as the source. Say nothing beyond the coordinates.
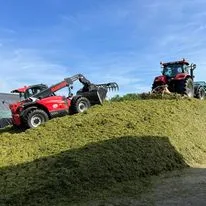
(162, 79)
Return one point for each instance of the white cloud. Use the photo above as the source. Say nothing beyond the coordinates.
(23, 67)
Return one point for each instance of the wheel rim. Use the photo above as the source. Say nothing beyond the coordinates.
(36, 121)
(82, 106)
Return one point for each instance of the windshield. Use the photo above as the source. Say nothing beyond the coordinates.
(172, 70)
(33, 90)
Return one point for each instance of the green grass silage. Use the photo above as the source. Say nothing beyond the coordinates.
(100, 152)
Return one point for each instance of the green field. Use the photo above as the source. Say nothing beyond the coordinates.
(108, 151)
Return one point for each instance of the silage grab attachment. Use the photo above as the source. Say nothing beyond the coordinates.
(112, 86)
(96, 93)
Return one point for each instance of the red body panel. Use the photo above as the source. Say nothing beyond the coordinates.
(181, 76)
(13, 107)
(162, 79)
(59, 86)
(55, 103)
(51, 104)
(16, 120)
(20, 90)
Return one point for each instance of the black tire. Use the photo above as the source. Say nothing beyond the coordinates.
(79, 105)
(200, 93)
(189, 87)
(25, 113)
(186, 87)
(36, 117)
(18, 127)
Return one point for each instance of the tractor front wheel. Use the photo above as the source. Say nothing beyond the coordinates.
(36, 118)
(80, 105)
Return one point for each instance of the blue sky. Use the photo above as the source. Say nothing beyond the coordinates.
(43, 41)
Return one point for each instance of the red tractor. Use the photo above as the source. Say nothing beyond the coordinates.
(45, 104)
(178, 77)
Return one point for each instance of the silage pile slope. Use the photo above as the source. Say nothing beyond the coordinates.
(77, 155)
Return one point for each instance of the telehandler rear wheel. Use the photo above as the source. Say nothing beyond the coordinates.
(36, 117)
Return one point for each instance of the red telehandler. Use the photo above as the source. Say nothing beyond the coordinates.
(44, 105)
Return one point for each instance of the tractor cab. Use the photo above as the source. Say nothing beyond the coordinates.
(171, 69)
(177, 69)
(28, 91)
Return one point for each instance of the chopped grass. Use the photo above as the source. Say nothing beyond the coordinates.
(101, 152)
(146, 96)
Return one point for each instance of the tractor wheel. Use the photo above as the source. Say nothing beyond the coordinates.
(189, 87)
(186, 87)
(36, 117)
(200, 93)
(80, 105)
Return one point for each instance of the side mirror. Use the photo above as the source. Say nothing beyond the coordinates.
(193, 66)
